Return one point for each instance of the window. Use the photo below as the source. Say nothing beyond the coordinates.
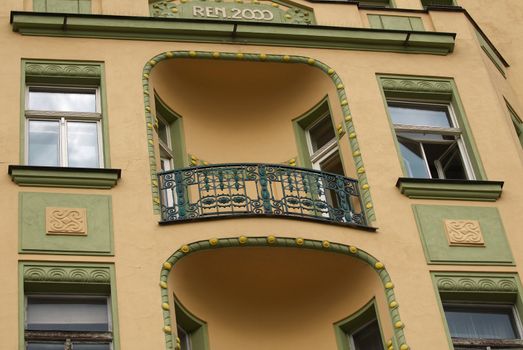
(483, 326)
(426, 3)
(70, 322)
(63, 126)
(380, 3)
(396, 22)
(62, 6)
(323, 146)
(430, 140)
(192, 331)
(367, 337)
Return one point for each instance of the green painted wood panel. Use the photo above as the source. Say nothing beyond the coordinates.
(62, 6)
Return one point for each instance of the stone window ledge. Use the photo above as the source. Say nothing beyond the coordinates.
(467, 190)
(45, 176)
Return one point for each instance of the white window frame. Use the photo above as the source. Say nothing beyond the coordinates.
(494, 305)
(64, 118)
(166, 163)
(455, 131)
(326, 150)
(59, 296)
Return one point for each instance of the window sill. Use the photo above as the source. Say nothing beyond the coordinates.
(27, 175)
(467, 190)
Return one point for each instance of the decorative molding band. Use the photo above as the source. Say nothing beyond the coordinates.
(26, 175)
(285, 242)
(475, 283)
(69, 274)
(416, 85)
(257, 57)
(62, 70)
(468, 190)
(223, 32)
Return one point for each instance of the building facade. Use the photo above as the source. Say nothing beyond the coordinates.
(219, 174)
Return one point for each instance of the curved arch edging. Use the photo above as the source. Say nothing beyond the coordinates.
(171, 342)
(347, 126)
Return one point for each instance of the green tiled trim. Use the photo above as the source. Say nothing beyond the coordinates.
(348, 127)
(285, 242)
(26, 175)
(466, 190)
(430, 220)
(76, 73)
(476, 287)
(139, 28)
(33, 239)
(428, 89)
(70, 278)
(358, 319)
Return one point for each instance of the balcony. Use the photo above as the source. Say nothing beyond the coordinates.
(239, 190)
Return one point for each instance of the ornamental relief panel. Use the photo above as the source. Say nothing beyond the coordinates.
(464, 233)
(67, 221)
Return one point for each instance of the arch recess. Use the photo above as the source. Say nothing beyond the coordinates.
(346, 128)
(398, 340)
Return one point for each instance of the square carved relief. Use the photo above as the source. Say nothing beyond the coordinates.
(464, 233)
(65, 221)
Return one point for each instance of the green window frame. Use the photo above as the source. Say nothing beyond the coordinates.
(396, 22)
(62, 6)
(191, 331)
(516, 122)
(475, 294)
(347, 328)
(381, 3)
(64, 284)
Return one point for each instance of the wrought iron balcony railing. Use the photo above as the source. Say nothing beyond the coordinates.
(259, 190)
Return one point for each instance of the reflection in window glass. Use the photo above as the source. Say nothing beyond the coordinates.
(82, 144)
(84, 346)
(368, 337)
(45, 346)
(481, 322)
(413, 158)
(62, 101)
(321, 133)
(44, 142)
(436, 116)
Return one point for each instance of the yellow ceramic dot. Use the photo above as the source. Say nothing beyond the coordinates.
(145, 75)
(167, 329)
(213, 241)
(167, 265)
(256, 2)
(340, 86)
(368, 206)
(242, 239)
(178, 340)
(365, 187)
(286, 58)
(378, 265)
(155, 183)
(353, 249)
(404, 347)
(288, 16)
(352, 135)
(156, 200)
(274, 5)
(311, 61)
(356, 153)
(205, 163)
(185, 248)
(192, 53)
(398, 324)
(299, 241)
(271, 239)
(183, 1)
(193, 162)
(344, 102)
(174, 10)
(389, 342)
(263, 56)
(348, 118)
(163, 284)
(239, 1)
(330, 71)
(393, 304)
(239, 55)
(389, 285)
(165, 306)
(152, 62)
(361, 170)
(215, 54)
(150, 125)
(148, 109)
(390, 348)
(169, 54)
(146, 92)
(326, 244)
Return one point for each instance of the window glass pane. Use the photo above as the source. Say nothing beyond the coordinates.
(67, 313)
(62, 101)
(452, 164)
(481, 322)
(82, 145)
(420, 115)
(321, 134)
(44, 143)
(45, 346)
(368, 338)
(84, 346)
(413, 158)
(332, 164)
(185, 340)
(163, 132)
